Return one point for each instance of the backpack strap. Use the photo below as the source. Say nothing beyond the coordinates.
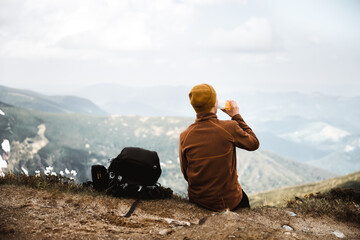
(132, 208)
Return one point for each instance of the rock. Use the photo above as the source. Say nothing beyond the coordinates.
(176, 222)
(164, 231)
(291, 214)
(338, 234)
(287, 228)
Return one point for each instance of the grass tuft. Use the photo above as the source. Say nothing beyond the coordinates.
(54, 184)
(342, 204)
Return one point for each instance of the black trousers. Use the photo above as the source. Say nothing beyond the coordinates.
(244, 202)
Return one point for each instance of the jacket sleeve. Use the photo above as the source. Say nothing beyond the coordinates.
(243, 135)
(183, 161)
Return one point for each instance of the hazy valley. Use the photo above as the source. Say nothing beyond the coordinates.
(295, 130)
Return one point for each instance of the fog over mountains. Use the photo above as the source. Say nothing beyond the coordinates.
(313, 128)
(303, 137)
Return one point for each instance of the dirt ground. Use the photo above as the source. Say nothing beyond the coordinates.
(27, 213)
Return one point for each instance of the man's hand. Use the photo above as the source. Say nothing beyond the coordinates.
(234, 109)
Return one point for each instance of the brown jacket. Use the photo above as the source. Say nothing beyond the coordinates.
(208, 159)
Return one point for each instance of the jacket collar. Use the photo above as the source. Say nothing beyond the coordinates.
(205, 116)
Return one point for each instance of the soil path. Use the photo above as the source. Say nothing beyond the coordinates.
(27, 213)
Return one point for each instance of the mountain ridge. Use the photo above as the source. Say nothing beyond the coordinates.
(79, 141)
(57, 104)
(279, 197)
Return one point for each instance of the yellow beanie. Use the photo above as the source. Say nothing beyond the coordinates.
(202, 97)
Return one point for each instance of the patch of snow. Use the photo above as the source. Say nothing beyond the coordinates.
(115, 116)
(174, 133)
(333, 134)
(157, 131)
(174, 121)
(6, 145)
(3, 163)
(1, 112)
(144, 119)
(316, 133)
(140, 131)
(338, 234)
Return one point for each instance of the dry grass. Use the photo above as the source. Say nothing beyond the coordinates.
(59, 184)
(342, 204)
(279, 197)
(54, 184)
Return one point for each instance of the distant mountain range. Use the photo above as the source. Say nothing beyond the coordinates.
(143, 101)
(44, 103)
(74, 141)
(312, 128)
(315, 129)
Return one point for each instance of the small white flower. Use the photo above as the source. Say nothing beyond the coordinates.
(61, 173)
(53, 174)
(49, 168)
(73, 172)
(46, 172)
(67, 171)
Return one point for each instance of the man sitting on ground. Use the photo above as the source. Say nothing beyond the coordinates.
(208, 152)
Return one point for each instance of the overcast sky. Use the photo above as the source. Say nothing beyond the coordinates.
(60, 45)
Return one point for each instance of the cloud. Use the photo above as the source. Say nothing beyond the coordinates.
(85, 29)
(254, 35)
(315, 39)
(251, 58)
(281, 58)
(214, 2)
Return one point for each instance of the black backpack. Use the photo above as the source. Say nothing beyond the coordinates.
(100, 177)
(136, 166)
(133, 173)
